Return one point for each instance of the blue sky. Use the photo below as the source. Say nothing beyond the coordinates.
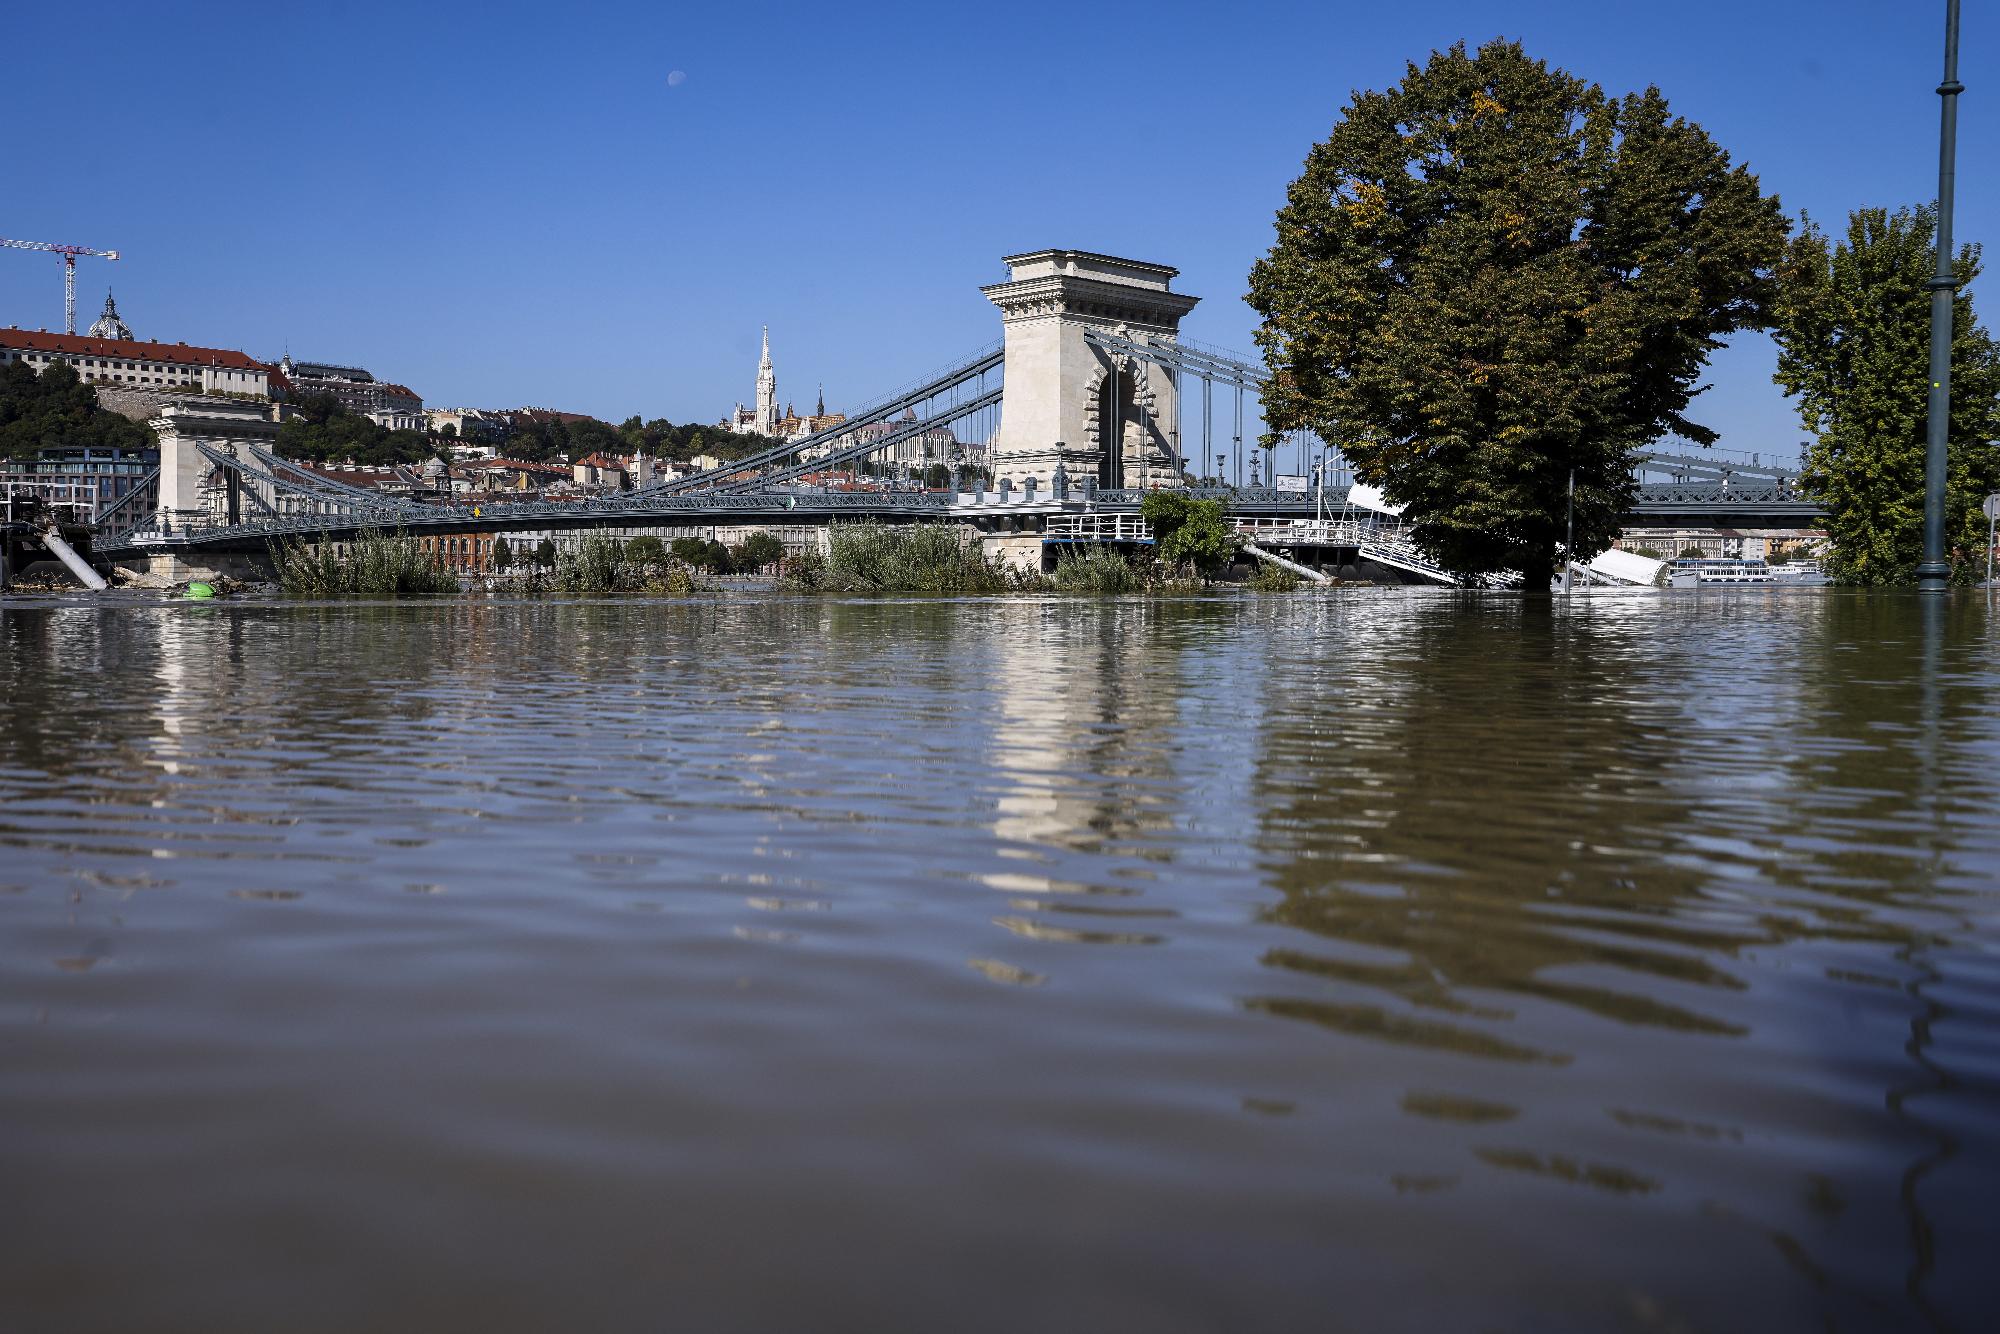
(507, 203)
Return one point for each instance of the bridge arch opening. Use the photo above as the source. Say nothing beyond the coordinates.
(1116, 400)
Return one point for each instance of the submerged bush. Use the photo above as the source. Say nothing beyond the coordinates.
(804, 573)
(673, 580)
(374, 564)
(595, 565)
(601, 564)
(1269, 578)
(874, 557)
(1098, 570)
(1189, 534)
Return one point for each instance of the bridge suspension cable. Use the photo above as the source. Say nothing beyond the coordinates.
(787, 454)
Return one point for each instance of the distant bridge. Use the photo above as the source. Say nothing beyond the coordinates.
(1082, 404)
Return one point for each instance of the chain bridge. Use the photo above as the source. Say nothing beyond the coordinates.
(1091, 399)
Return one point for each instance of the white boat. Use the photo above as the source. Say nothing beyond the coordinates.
(1707, 571)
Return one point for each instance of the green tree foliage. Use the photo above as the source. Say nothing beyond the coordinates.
(539, 439)
(757, 551)
(1188, 532)
(646, 551)
(1853, 327)
(503, 554)
(545, 553)
(1493, 273)
(319, 430)
(690, 551)
(56, 409)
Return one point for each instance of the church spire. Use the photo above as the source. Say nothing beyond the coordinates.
(767, 389)
(820, 411)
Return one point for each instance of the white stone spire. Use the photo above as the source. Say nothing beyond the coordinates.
(767, 390)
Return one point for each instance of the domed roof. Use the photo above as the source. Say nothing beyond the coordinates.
(108, 324)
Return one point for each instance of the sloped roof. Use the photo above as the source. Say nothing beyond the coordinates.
(131, 349)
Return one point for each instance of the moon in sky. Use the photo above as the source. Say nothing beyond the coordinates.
(675, 78)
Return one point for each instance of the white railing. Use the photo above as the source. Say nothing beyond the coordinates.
(1310, 532)
(1098, 527)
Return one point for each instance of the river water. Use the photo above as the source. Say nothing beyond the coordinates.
(1381, 960)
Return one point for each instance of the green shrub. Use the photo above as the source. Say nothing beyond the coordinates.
(597, 565)
(804, 573)
(675, 580)
(375, 564)
(1269, 578)
(917, 558)
(1098, 570)
(1188, 533)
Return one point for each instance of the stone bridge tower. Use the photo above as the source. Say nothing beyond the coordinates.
(1069, 403)
(217, 422)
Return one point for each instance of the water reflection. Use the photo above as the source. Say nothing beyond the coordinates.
(1624, 963)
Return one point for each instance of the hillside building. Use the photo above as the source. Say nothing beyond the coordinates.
(126, 362)
(357, 391)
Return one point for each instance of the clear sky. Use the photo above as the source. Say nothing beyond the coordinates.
(594, 206)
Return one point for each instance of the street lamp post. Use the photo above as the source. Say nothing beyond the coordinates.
(1933, 574)
(1992, 509)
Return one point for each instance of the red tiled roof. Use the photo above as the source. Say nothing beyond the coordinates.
(358, 476)
(405, 392)
(78, 345)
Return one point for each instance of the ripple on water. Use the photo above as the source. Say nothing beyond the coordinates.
(1442, 960)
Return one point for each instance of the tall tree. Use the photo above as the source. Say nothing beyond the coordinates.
(1493, 274)
(1853, 328)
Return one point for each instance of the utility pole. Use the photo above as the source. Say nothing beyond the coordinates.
(1569, 530)
(1934, 574)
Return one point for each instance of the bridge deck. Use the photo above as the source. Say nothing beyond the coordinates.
(1763, 506)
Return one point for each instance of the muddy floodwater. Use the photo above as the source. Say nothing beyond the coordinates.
(1380, 960)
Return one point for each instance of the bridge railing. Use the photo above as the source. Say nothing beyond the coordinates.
(1098, 527)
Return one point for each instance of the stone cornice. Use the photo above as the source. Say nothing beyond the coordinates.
(1062, 294)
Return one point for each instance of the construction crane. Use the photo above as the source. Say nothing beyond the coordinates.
(69, 254)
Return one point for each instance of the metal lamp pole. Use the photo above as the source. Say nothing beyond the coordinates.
(1934, 574)
(1569, 529)
(1992, 508)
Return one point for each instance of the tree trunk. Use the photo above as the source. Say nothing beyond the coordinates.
(1538, 572)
